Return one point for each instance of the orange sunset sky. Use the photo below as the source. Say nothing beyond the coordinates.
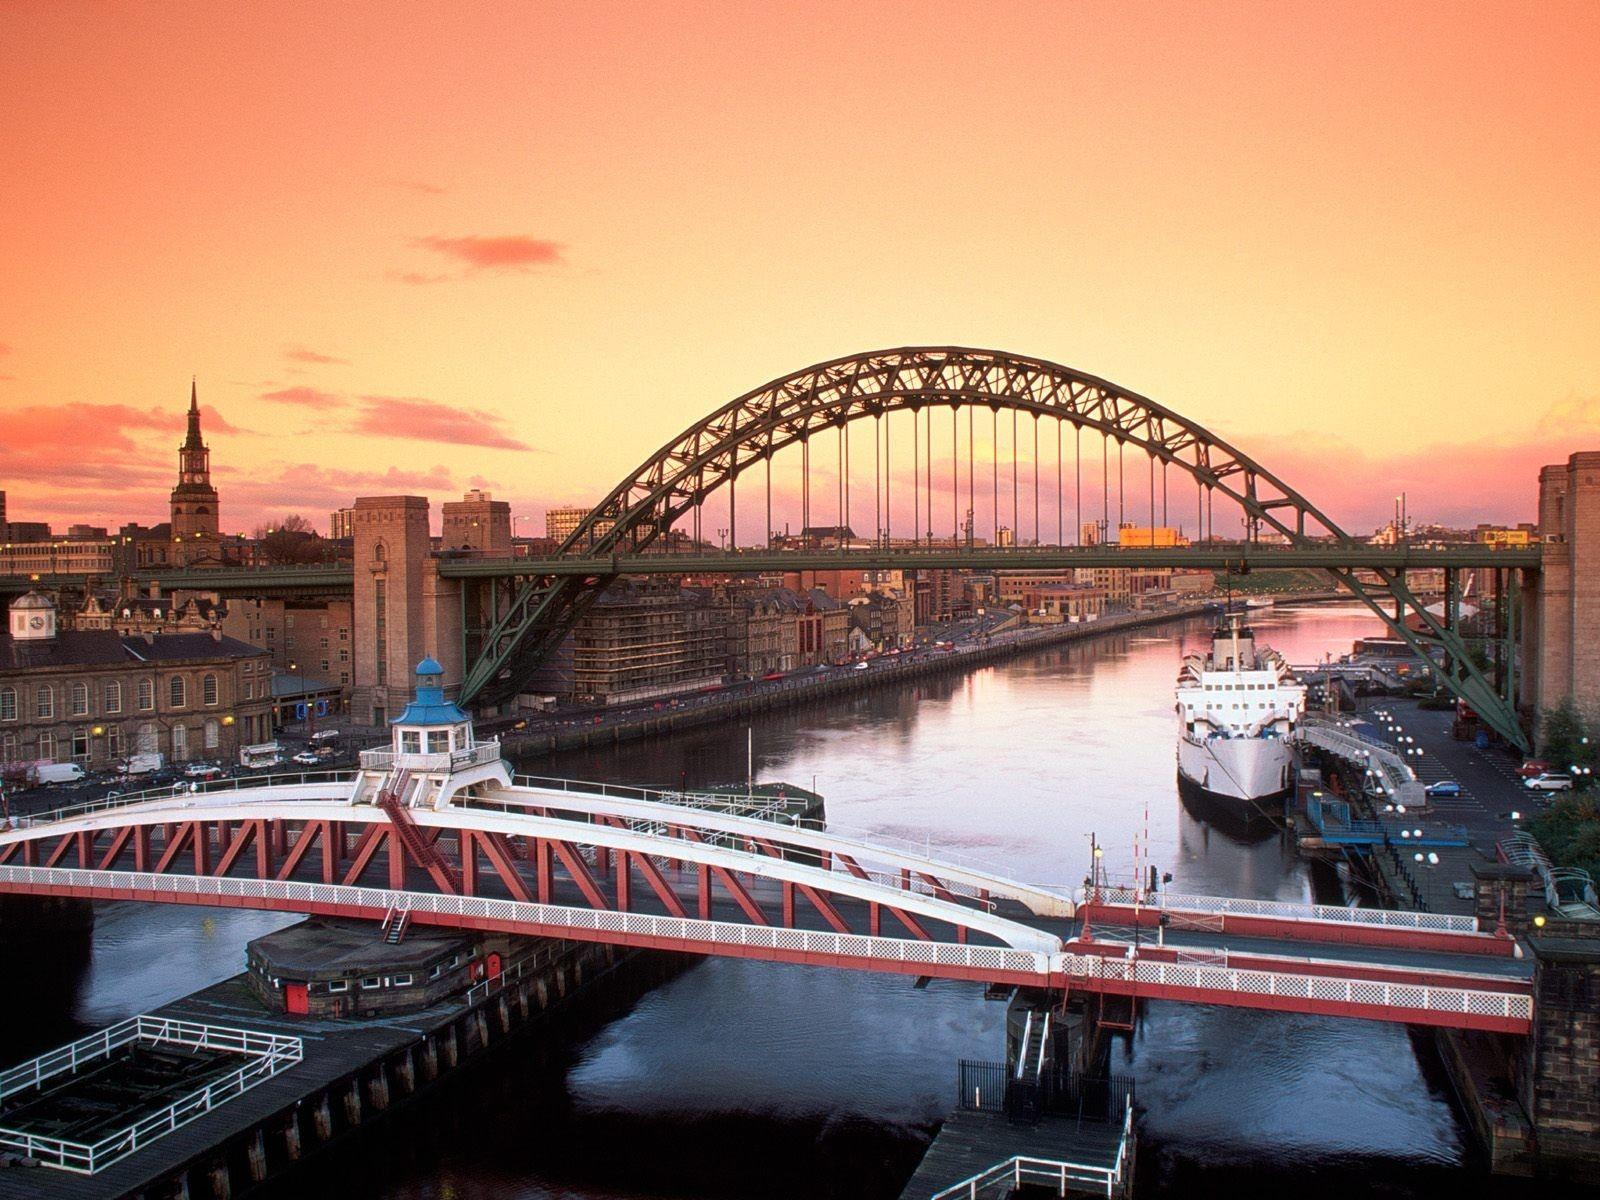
(419, 248)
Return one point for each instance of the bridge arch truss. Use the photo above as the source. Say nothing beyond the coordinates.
(748, 432)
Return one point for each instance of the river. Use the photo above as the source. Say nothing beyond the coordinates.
(744, 1079)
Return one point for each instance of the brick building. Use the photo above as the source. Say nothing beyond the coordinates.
(887, 620)
(314, 639)
(94, 696)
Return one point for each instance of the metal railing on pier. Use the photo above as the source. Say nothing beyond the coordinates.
(268, 1053)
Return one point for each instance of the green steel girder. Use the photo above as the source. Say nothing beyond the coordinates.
(1461, 675)
(748, 431)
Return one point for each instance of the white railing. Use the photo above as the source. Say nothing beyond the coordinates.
(730, 802)
(307, 897)
(376, 901)
(196, 787)
(1058, 1174)
(1359, 993)
(477, 755)
(268, 1053)
(1174, 902)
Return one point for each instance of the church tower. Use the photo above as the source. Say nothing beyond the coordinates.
(195, 528)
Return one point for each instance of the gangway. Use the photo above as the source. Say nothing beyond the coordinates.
(1394, 775)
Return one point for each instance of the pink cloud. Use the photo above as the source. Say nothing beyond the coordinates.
(418, 279)
(429, 421)
(306, 355)
(307, 396)
(513, 252)
(420, 186)
(48, 426)
(213, 421)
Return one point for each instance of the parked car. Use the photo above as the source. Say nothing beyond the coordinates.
(307, 758)
(202, 770)
(1549, 782)
(1445, 787)
(1532, 767)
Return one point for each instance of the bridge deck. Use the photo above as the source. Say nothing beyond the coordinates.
(663, 876)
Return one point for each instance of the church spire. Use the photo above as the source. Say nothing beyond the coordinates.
(193, 442)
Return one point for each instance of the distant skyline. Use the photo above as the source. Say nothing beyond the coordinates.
(425, 250)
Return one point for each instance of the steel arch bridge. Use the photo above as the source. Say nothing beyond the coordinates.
(675, 482)
(481, 851)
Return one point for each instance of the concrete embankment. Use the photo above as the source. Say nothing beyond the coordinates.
(822, 687)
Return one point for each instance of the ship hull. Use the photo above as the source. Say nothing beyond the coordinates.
(1238, 769)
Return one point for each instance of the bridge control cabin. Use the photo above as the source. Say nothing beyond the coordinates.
(433, 752)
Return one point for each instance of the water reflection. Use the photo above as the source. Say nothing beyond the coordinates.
(747, 1079)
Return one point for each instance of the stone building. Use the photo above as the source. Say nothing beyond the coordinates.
(753, 623)
(94, 696)
(312, 639)
(476, 523)
(887, 620)
(646, 639)
(1562, 610)
(402, 608)
(148, 614)
(1065, 602)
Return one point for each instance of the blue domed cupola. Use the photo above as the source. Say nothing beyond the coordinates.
(431, 728)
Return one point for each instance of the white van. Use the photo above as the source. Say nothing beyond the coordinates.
(60, 772)
(143, 764)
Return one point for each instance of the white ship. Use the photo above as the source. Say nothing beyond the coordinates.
(1236, 710)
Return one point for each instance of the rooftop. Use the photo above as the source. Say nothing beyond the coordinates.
(324, 947)
(105, 648)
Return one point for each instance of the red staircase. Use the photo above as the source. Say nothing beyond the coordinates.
(418, 847)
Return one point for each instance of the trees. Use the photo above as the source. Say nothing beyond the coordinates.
(291, 540)
(1566, 742)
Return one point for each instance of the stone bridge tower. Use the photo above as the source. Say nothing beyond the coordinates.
(403, 611)
(1561, 602)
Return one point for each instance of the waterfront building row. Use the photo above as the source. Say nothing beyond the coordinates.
(97, 696)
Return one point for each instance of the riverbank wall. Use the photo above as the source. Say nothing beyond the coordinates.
(836, 684)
